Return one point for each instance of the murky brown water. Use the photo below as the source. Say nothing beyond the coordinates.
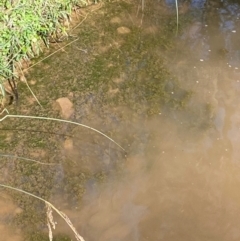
(183, 182)
(8, 210)
(184, 188)
(181, 176)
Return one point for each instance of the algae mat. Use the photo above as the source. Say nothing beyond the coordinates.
(113, 78)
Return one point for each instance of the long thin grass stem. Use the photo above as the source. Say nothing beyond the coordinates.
(51, 54)
(34, 96)
(176, 3)
(60, 120)
(27, 159)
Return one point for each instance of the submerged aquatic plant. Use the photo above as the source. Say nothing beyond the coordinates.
(49, 206)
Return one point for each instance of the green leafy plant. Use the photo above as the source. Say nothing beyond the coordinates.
(25, 26)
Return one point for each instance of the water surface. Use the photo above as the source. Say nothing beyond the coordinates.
(171, 100)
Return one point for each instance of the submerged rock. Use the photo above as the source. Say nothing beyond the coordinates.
(123, 30)
(68, 144)
(66, 107)
(193, 31)
(115, 20)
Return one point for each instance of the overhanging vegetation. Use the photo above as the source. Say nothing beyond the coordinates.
(25, 26)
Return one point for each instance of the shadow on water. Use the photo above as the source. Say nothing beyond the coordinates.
(171, 102)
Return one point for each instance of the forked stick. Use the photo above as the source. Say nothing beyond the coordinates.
(61, 214)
